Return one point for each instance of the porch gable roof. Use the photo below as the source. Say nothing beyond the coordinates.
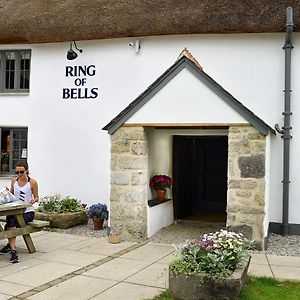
(186, 60)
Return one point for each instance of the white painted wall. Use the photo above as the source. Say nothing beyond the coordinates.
(68, 152)
(185, 99)
(159, 216)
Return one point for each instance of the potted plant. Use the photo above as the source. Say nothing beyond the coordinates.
(160, 183)
(61, 212)
(4, 161)
(213, 267)
(98, 213)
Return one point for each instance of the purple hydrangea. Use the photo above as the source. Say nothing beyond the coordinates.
(98, 210)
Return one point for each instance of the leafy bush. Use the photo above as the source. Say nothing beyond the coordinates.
(57, 204)
(98, 210)
(216, 254)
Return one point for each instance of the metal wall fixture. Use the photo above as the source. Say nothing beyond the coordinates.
(136, 45)
(71, 53)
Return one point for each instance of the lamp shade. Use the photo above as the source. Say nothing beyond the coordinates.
(71, 54)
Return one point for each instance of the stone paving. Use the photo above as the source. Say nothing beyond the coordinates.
(75, 267)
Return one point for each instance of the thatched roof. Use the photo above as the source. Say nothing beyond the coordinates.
(42, 21)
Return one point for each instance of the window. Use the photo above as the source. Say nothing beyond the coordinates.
(13, 148)
(14, 71)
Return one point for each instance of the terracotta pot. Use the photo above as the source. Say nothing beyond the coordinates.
(98, 224)
(114, 239)
(160, 194)
(5, 167)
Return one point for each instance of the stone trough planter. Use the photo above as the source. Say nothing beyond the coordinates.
(63, 220)
(204, 287)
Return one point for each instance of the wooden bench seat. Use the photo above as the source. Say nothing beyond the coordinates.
(31, 227)
(34, 223)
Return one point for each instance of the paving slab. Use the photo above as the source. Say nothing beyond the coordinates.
(40, 274)
(4, 297)
(53, 242)
(84, 243)
(284, 272)
(149, 252)
(24, 264)
(260, 259)
(259, 270)
(76, 288)
(155, 275)
(291, 261)
(167, 259)
(117, 269)
(71, 257)
(105, 248)
(12, 289)
(127, 291)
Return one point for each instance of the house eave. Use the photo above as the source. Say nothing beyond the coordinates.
(36, 21)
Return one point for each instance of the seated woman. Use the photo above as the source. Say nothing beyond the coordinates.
(25, 189)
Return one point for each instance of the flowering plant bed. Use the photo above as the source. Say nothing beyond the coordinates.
(56, 203)
(213, 267)
(160, 182)
(61, 212)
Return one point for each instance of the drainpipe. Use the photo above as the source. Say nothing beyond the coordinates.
(285, 131)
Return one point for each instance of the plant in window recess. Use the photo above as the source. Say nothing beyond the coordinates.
(4, 161)
(4, 156)
(160, 183)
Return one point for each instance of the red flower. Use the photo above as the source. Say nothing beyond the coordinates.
(160, 182)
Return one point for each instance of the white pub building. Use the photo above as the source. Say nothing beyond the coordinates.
(99, 96)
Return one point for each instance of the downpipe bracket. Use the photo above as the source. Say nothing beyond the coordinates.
(281, 131)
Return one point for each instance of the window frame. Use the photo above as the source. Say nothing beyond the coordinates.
(11, 148)
(17, 72)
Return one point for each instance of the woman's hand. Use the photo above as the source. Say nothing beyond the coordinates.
(32, 200)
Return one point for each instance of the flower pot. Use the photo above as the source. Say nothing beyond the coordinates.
(201, 286)
(114, 239)
(5, 167)
(160, 195)
(98, 223)
(63, 220)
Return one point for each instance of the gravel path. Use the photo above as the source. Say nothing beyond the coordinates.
(178, 233)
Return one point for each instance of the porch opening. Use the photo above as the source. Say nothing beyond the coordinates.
(200, 178)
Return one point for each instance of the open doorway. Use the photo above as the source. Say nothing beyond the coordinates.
(200, 178)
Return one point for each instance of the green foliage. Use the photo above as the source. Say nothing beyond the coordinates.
(216, 254)
(56, 204)
(260, 288)
(265, 288)
(165, 295)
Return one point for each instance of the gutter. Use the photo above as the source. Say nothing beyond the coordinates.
(286, 129)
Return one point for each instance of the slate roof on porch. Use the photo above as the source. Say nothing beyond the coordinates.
(186, 60)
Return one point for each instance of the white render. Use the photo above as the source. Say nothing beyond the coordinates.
(68, 153)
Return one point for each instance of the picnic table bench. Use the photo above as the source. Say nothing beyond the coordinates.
(17, 209)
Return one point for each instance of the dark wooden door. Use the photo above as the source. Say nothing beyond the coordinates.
(200, 174)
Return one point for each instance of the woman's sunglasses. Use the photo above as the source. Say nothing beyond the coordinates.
(20, 172)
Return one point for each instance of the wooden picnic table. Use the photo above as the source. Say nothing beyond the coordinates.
(17, 209)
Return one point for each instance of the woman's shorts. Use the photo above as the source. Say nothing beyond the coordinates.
(12, 222)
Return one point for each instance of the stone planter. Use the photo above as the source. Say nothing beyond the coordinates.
(203, 287)
(63, 220)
